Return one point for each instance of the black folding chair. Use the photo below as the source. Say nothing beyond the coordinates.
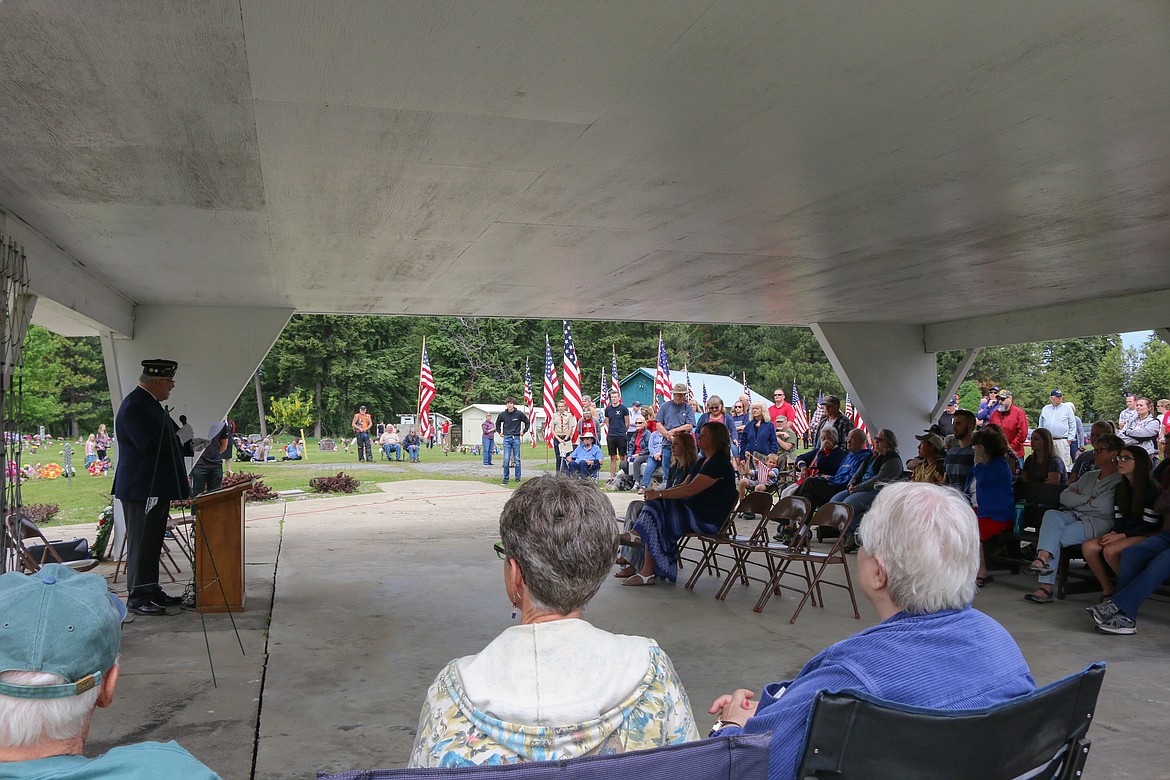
(1040, 735)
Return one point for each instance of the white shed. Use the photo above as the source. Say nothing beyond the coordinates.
(471, 418)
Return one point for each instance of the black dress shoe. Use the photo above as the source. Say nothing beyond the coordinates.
(161, 598)
(146, 608)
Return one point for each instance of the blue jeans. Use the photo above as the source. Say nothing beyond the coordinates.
(1058, 529)
(412, 451)
(582, 469)
(860, 500)
(392, 449)
(1144, 567)
(649, 469)
(487, 444)
(560, 457)
(511, 450)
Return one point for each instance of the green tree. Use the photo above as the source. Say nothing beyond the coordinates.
(1151, 378)
(1112, 380)
(292, 412)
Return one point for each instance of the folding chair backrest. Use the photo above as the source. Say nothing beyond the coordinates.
(791, 509)
(834, 514)
(742, 756)
(755, 502)
(853, 735)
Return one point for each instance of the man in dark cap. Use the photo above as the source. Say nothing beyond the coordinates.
(149, 476)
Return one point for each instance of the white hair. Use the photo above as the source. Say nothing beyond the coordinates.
(29, 722)
(927, 538)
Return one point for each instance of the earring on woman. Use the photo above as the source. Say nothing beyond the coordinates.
(515, 607)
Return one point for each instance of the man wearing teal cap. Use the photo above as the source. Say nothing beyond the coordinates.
(60, 632)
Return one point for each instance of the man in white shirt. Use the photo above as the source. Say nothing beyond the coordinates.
(1059, 419)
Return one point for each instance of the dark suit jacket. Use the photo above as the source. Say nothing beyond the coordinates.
(149, 461)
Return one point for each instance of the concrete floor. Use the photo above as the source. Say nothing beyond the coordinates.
(374, 593)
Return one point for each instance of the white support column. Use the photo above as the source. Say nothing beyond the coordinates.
(217, 349)
(892, 378)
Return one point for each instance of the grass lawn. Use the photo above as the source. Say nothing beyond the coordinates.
(88, 495)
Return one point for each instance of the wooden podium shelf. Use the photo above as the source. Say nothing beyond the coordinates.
(219, 549)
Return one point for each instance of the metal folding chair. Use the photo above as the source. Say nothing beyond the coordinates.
(754, 503)
(790, 510)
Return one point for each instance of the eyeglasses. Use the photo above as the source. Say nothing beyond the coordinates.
(1123, 458)
(500, 551)
(857, 538)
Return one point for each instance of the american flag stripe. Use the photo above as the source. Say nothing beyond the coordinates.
(572, 374)
(426, 393)
(613, 376)
(800, 424)
(854, 415)
(662, 385)
(819, 414)
(550, 391)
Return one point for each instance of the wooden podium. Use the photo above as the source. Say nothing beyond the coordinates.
(219, 549)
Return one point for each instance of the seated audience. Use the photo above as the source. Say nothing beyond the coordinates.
(1043, 465)
(653, 457)
(820, 489)
(916, 566)
(700, 504)
(412, 442)
(391, 445)
(989, 486)
(960, 454)
(59, 661)
(553, 687)
(293, 451)
(1086, 461)
(931, 466)
(682, 462)
(826, 459)
(585, 461)
(1135, 516)
(1087, 512)
(1144, 568)
(771, 477)
(884, 465)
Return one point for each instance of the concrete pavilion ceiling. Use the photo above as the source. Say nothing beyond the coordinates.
(774, 162)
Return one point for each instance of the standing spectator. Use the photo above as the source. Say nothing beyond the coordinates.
(715, 412)
(362, 423)
(207, 476)
(675, 418)
(512, 424)
(960, 456)
(412, 442)
(1077, 441)
(759, 437)
(1164, 417)
(987, 405)
(1128, 414)
(834, 418)
(445, 436)
(487, 440)
(780, 407)
(739, 417)
(1145, 430)
(1013, 421)
(90, 450)
(102, 443)
(563, 426)
(149, 476)
(617, 420)
(590, 420)
(1059, 419)
(946, 420)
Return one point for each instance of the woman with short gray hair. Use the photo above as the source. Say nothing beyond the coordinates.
(553, 687)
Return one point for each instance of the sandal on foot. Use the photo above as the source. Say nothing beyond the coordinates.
(639, 579)
(625, 573)
(985, 580)
(1039, 568)
(1041, 596)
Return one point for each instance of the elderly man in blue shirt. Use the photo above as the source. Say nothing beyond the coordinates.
(585, 461)
(917, 564)
(1060, 419)
(675, 418)
(821, 489)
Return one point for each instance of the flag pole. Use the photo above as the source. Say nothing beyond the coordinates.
(418, 396)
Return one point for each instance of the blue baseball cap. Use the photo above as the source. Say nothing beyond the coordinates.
(61, 622)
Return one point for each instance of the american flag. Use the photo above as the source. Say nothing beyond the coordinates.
(819, 414)
(690, 390)
(704, 393)
(746, 390)
(613, 376)
(800, 424)
(572, 374)
(854, 415)
(551, 386)
(603, 399)
(426, 393)
(662, 377)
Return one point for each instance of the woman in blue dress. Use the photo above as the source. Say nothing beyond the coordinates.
(699, 505)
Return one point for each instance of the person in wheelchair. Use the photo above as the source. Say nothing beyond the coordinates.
(916, 565)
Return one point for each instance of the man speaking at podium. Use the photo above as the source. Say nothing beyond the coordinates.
(150, 474)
